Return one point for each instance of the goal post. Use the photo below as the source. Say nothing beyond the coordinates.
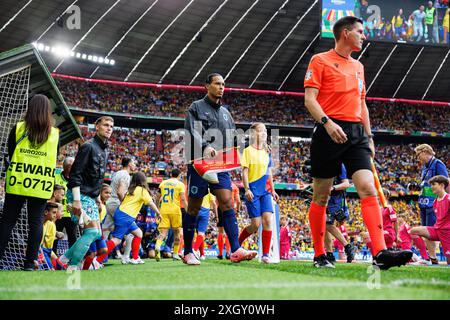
(23, 74)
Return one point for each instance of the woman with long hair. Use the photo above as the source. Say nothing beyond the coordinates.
(138, 194)
(30, 178)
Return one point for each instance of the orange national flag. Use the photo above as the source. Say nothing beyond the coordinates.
(225, 160)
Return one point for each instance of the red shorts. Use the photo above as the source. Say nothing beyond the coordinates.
(406, 245)
(338, 245)
(389, 238)
(284, 251)
(442, 235)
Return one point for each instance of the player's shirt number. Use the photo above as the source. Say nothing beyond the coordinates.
(168, 192)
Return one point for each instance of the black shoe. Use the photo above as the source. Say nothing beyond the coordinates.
(331, 258)
(220, 257)
(350, 251)
(434, 261)
(322, 262)
(386, 259)
(227, 256)
(29, 266)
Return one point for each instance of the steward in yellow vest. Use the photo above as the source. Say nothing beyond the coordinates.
(30, 179)
(31, 171)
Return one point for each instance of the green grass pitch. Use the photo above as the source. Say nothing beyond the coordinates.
(216, 279)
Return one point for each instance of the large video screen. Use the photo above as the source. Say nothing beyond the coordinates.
(400, 21)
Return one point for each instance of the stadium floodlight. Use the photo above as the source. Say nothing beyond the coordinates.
(87, 33)
(61, 51)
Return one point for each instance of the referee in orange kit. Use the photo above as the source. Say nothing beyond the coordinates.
(335, 96)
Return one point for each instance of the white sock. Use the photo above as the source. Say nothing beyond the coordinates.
(127, 250)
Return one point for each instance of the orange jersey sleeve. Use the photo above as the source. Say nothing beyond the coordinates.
(313, 77)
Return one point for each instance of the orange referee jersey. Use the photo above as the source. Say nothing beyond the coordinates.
(341, 85)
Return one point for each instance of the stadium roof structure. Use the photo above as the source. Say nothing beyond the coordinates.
(41, 82)
(260, 44)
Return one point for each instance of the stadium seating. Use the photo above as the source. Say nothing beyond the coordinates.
(245, 107)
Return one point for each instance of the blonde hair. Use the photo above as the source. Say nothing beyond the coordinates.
(424, 148)
(104, 119)
(253, 127)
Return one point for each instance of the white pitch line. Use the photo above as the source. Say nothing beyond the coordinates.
(190, 286)
(299, 285)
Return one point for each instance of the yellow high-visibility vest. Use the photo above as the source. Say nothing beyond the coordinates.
(31, 171)
(59, 179)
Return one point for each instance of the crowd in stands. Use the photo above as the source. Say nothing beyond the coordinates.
(245, 107)
(398, 166)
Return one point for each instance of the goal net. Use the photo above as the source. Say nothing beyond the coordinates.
(14, 87)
